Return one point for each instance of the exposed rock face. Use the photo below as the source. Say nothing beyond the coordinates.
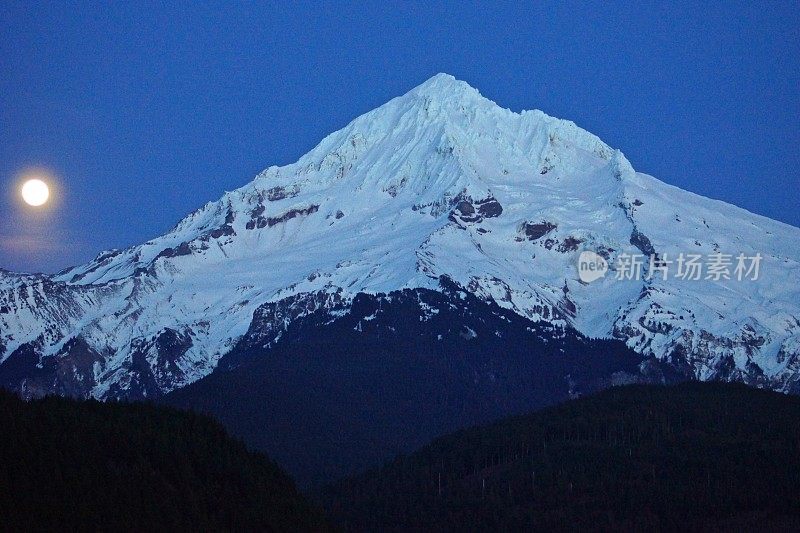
(468, 211)
(490, 208)
(537, 231)
(569, 244)
(178, 251)
(640, 241)
(259, 221)
(70, 372)
(281, 193)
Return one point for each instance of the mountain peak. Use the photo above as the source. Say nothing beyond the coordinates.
(437, 182)
(443, 83)
(444, 87)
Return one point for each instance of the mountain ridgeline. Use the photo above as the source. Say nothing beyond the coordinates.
(689, 457)
(69, 465)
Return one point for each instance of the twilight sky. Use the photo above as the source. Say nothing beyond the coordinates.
(145, 112)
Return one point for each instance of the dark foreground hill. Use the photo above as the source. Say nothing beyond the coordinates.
(347, 388)
(695, 456)
(87, 466)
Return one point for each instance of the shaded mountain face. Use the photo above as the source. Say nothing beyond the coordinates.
(692, 457)
(350, 385)
(85, 466)
(438, 182)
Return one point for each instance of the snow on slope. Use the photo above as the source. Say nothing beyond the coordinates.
(440, 181)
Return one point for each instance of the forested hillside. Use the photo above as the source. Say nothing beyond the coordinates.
(68, 465)
(689, 457)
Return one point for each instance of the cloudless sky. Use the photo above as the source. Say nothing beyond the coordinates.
(146, 111)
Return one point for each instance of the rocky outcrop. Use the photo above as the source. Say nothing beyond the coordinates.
(71, 372)
(259, 221)
(469, 211)
(533, 231)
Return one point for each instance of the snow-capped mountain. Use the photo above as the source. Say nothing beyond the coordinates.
(440, 182)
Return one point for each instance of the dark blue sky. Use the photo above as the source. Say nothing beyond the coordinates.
(145, 112)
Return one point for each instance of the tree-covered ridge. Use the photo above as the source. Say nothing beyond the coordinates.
(690, 457)
(70, 465)
(344, 389)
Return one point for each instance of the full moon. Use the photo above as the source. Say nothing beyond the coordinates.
(35, 192)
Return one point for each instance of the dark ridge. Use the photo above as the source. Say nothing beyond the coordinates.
(689, 457)
(69, 465)
(330, 388)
